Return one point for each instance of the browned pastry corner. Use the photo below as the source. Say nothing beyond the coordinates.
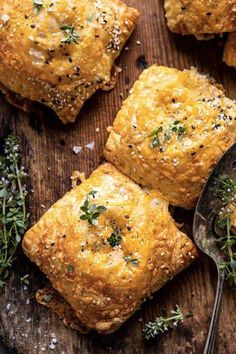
(201, 16)
(171, 131)
(51, 299)
(61, 52)
(229, 56)
(104, 283)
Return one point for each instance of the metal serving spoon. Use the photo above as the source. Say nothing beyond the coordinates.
(204, 231)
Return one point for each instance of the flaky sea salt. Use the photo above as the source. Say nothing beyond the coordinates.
(77, 149)
(90, 145)
(5, 18)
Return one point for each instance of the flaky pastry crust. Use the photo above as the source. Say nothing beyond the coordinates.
(99, 281)
(196, 124)
(62, 52)
(201, 16)
(229, 56)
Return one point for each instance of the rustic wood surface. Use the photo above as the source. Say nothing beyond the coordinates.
(27, 327)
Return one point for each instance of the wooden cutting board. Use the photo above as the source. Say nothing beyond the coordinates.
(27, 327)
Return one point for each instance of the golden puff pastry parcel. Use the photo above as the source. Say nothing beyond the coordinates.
(59, 52)
(229, 56)
(171, 131)
(201, 16)
(105, 246)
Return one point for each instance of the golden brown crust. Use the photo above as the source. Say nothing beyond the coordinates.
(229, 56)
(180, 165)
(103, 288)
(36, 64)
(201, 16)
(51, 299)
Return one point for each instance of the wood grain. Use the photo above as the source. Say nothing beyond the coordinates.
(48, 157)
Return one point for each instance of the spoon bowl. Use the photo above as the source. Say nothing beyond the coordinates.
(205, 232)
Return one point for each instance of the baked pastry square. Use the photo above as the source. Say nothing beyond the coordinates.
(106, 264)
(60, 52)
(201, 16)
(171, 131)
(229, 56)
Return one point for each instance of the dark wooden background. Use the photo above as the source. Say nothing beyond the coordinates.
(47, 154)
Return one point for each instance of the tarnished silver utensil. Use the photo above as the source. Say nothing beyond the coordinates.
(204, 231)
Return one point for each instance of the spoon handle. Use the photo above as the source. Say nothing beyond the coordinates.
(210, 342)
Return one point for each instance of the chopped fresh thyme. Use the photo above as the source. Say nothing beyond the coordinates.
(227, 194)
(115, 238)
(90, 17)
(159, 139)
(91, 211)
(13, 214)
(155, 137)
(72, 34)
(133, 261)
(25, 279)
(47, 297)
(179, 129)
(37, 5)
(70, 268)
(164, 324)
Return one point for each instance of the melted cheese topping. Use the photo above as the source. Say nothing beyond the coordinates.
(101, 284)
(172, 101)
(37, 61)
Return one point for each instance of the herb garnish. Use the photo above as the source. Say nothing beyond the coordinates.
(25, 279)
(115, 237)
(47, 297)
(91, 211)
(157, 140)
(72, 34)
(70, 268)
(179, 129)
(227, 191)
(164, 324)
(13, 215)
(38, 5)
(155, 137)
(133, 261)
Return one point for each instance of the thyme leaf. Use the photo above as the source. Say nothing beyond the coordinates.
(25, 279)
(70, 268)
(115, 238)
(155, 137)
(160, 136)
(133, 261)
(71, 33)
(37, 5)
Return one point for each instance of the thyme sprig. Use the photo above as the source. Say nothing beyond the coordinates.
(91, 211)
(227, 194)
(163, 324)
(13, 214)
(72, 34)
